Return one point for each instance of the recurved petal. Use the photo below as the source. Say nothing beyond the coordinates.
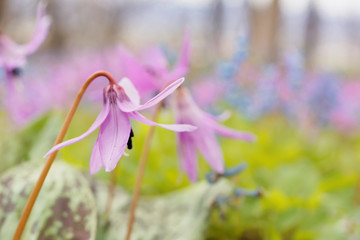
(185, 54)
(41, 30)
(223, 116)
(127, 106)
(130, 90)
(182, 66)
(188, 156)
(173, 127)
(155, 60)
(132, 69)
(231, 133)
(95, 160)
(113, 137)
(228, 132)
(210, 149)
(176, 73)
(99, 120)
(11, 53)
(184, 61)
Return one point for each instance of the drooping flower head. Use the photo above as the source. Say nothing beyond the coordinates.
(203, 138)
(121, 101)
(12, 55)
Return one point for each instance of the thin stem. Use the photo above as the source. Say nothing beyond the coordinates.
(35, 192)
(140, 174)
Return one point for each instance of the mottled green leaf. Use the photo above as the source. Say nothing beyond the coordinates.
(177, 215)
(65, 208)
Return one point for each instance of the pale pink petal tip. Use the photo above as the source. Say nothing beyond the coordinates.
(173, 127)
(129, 106)
(99, 120)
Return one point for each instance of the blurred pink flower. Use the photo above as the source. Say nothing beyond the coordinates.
(12, 55)
(152, 72)
(121, 102)
(31, 99)
(208, 91)
(347, 114)
(203, 138)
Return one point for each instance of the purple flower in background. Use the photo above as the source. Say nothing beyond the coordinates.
(156, 63)
(152, 72)
(346, 114)
(203, 138)
(31, 99)
(208, 91)
(323, 97)
(121, 101)
(12, 55)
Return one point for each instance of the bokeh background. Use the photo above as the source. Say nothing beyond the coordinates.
(327, 33)
(288, 71)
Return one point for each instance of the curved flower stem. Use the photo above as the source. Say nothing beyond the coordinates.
(35, 192)
(140, 174)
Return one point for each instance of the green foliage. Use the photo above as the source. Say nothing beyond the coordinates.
(173, 216)
(31, 142)
(65, 208)
(310, 179)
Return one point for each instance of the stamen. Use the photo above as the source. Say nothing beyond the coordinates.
(111, 95)
(129, 143)
(16, 71)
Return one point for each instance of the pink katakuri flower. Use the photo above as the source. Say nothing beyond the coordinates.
(203, 138)
(152, 72)
(12, 55)
(121, 102)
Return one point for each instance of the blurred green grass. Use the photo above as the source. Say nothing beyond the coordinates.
(310, 177)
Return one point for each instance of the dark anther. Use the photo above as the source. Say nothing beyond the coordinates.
(129, 143)
(16, 71)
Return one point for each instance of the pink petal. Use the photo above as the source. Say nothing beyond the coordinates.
(130, 90)
(188, 156)
(95, 160)
(222, 117)
(11, 53)
(178, 72)
(182, 66)
(131, 68)
(7, 44)
(99, 120)
(210, 149)
(185, 54)
(41, 31)
(228, 132)
(155, 60)
(113, 136)
(127, 106)
(173, 127)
